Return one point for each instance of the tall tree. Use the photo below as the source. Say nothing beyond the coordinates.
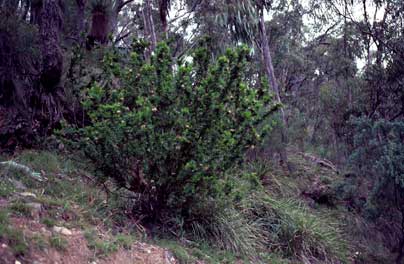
(250, 27)
(164, 8)
(149, 29)
(30, 83)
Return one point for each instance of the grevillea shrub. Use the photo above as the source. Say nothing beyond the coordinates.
(168, 131)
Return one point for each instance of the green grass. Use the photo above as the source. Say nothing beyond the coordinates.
(245, 231)
(41, 161)
(6, 188)
(4, 217)
(58, 242)
(295, 232)
(13, 237)
(49, 222)
(199, 251)
(213, 255)
(274, 258)
(20, 208)
(106, 245)
(101, 247)
(39, 242)
(179, 252)
(124, 241)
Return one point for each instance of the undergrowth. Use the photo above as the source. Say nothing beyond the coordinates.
(13, 237)
(244, 226)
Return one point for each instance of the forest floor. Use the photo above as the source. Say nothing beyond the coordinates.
(53, 211)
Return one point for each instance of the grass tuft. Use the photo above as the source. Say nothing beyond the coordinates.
(295, 232)
(58, 242)
(14, 237)
(102, 247)
(20, 208)
(124, 241)
(49, 222)
(179, 252)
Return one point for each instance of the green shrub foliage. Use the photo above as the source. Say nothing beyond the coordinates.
(168, 131)
(379, 155)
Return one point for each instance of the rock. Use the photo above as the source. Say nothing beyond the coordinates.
(45, 231)
(28, 194)
(36, 209)
(169, 257)
(35, 206)
(62, 230)
(17, 262)
(61, 147)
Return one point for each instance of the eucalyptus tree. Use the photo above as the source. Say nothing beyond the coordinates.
(36, 39)
(246, 22)
(31, 68)
(380, 24)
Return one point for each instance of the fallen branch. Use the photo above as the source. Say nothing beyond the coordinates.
(322, 162)
(23, 168)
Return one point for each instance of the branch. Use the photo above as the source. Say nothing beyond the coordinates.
(122, 37)
(186, 13)
(24, 169)
(370, 32)
(121, 4)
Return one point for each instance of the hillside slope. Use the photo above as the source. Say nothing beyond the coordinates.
(52, 210)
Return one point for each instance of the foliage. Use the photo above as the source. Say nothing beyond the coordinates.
(169, 132)
(379, 155)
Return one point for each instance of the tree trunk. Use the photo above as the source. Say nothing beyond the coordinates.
(269, 69)
(151, 23)
(100, 24)
(81, 4)
(149, 31)
(400, 257)
(30, 90)
(163, 8)
(52, 55)
(36, 7)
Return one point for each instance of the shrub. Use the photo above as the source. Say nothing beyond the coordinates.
(169, 132)
(379, 156)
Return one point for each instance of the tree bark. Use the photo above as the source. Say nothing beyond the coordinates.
(100, 24)
(81, 4)
(30, 93)
(149, 31)
(52, 55)
(151, 23)
(164, 8)
(36, 7)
